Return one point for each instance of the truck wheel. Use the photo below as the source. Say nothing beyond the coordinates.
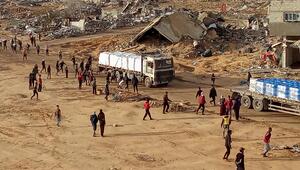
(258, 105)
(148, 82)
(247, 102)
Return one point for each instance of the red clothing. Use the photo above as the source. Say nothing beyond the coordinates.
(201, 100)
(80, 76)
(267, 137)
(40, 81)
(228, 103)
(146, 105)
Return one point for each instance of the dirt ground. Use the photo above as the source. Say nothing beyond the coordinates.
(29, 138)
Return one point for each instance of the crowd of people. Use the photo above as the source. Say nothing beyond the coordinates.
(84, 74)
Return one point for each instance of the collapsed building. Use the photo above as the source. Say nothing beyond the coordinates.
(172, 27)
(285, 22)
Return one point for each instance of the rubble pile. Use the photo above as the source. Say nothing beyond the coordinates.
(183, 106)
(293, 149)
(64, 32)
(119, 95)
(94, 26)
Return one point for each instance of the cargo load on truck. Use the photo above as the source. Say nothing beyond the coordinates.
(153, 68)
(276, 94)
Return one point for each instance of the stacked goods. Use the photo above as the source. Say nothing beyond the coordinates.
(281, 88)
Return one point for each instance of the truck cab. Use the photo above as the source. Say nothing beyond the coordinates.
(158, 69)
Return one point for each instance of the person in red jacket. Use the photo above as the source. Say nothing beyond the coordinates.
(228, 104)
(267, 138)
(201, 101)
(80, 78)
(147, 109)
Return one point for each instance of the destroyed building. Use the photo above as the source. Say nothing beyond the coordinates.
(172, 27)
(284, 18)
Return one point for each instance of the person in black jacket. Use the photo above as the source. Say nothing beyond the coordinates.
(135, 83)
(166, 105)
(106, 91)
(101, 118)
(239, 161)
(213, 95)
(227, 144)
(94, 121)
(126, 79)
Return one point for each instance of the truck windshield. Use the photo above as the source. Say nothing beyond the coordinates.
(165, 63)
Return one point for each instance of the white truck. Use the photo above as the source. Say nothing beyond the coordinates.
(152, 68)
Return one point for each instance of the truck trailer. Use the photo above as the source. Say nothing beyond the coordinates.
(152, 68)
(273, 94)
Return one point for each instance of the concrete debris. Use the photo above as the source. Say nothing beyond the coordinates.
(64, 32)
(182, 106)
(294, 148)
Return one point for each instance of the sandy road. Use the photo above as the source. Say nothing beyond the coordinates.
(29, 138)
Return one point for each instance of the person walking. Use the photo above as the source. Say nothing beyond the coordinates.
(40, 83)
(226, 121)
(73, 61)
(94, 121)
(249, 76)
(267, 139)
(57, 67)
(106, 91)
(47, 50)
(228, 104)
(135, 83)
(60, 55)
(38, 48)
(147, 109)
(67, 72)
(213, 95)
(57, 115)
(237, 107)
(166, 101)
(222, 106)
(35, 92)
(126, 79)
(227, 144)
(101, 118)
(76, 70)
(213, 79)
(198, 92)
(25, 54)
(239, 160)
(61, 64)
(43, 65)
(80, 79)
(201, 101)
(94, 85)
(49, 72)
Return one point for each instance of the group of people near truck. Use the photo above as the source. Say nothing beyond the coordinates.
(84, 74)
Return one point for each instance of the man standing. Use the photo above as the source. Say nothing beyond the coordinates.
(67, 71)
(202, 101)
(94, 121)
(47, 50)
(40, 81)
(43, 65)
(147, 109)
(228, 104)
(101, 118)
(25, 54)
(226, 121)
(57, 67)
(239, 160)
(106, 91)
(236, 107)
(213, 79)
(94, 87)
(38, 49)
(166, 105)
(35, 92)
(126, 79)
(49, 72)
(80, 78)
(267, 138)
(213, 95)
(227, 144)
(57, 115)
(135, 83)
